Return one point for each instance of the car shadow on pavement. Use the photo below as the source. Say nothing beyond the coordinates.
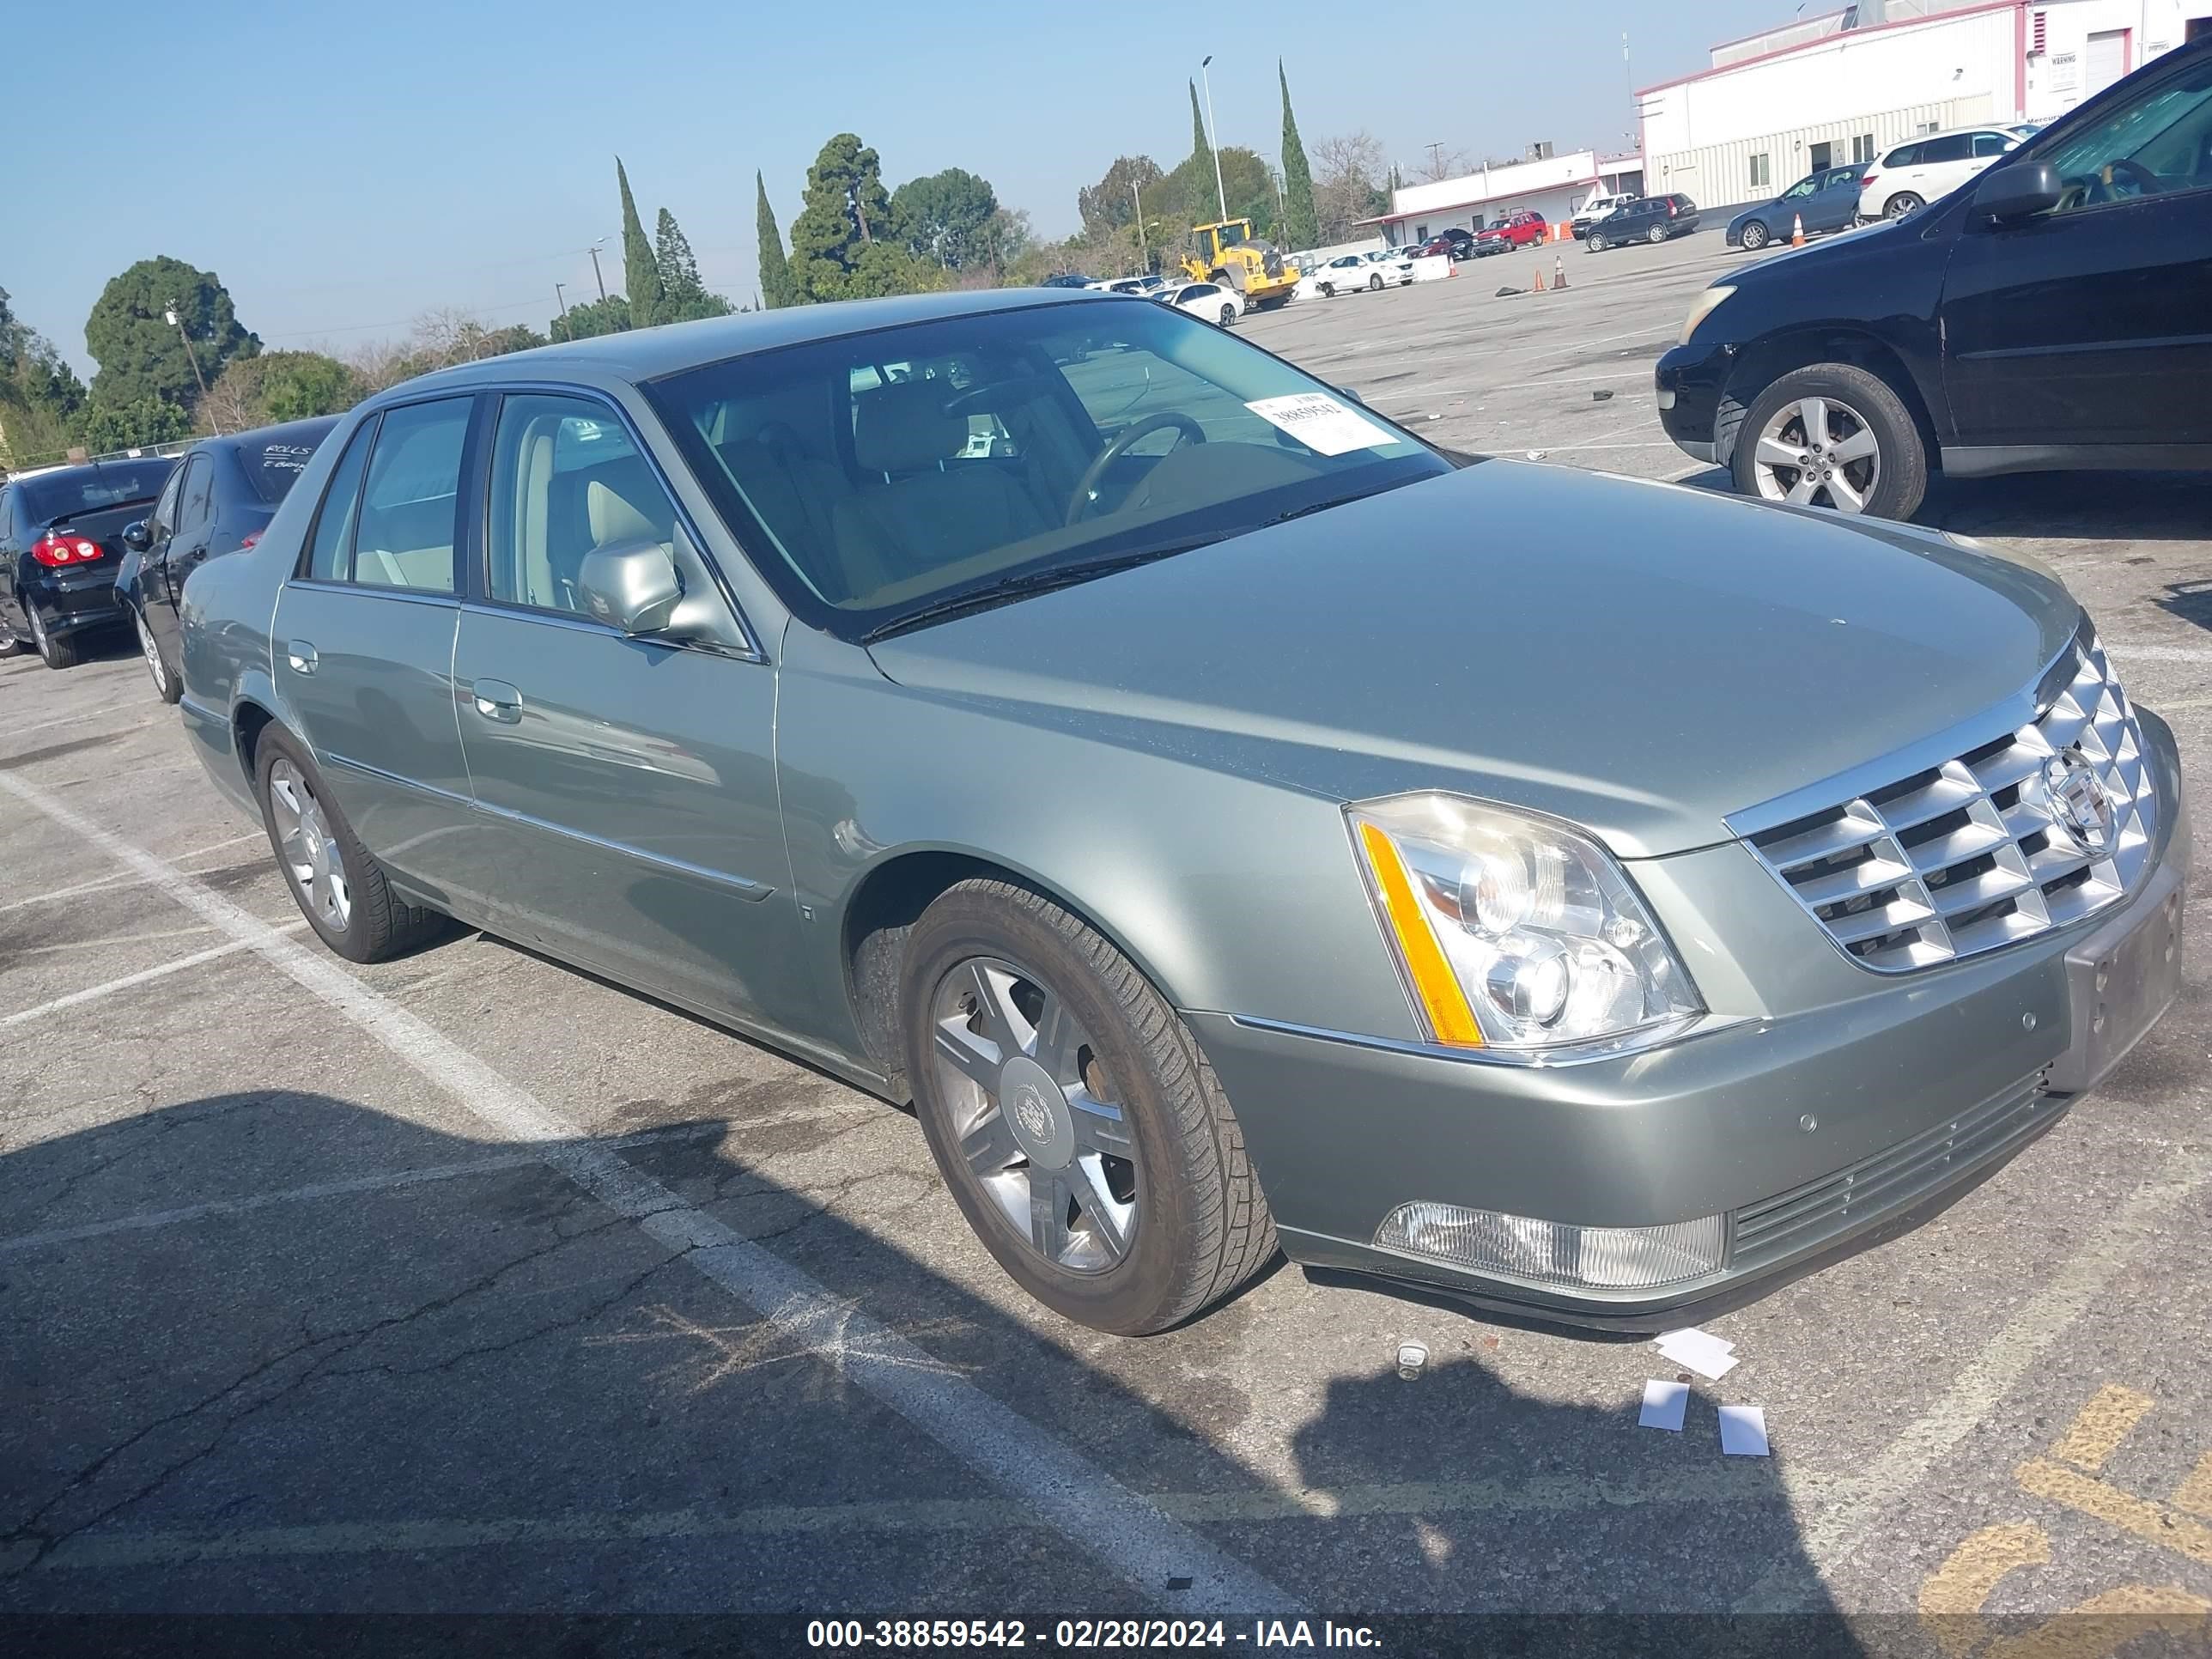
(2092, 506)
(275, 1353)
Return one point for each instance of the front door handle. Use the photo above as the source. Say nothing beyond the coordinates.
(497, 701)
(301, 654)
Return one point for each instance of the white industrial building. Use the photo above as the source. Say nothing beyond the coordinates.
(1553, 185)
(1846, 85)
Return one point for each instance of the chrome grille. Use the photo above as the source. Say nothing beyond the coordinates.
(1974, 853)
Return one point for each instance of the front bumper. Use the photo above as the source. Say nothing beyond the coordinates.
(1690, 381)
(1814, 1134)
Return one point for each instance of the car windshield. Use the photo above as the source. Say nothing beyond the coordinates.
(1233, 235)
(60, 495)
(1115, 429)
(2167, 134)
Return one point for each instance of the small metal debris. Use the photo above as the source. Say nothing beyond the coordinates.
(1507, 293)
(1178, 1583)
(1411, 1356)
(1538, 454)
(1601, 397)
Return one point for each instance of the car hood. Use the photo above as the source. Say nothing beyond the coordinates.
(1642, 659)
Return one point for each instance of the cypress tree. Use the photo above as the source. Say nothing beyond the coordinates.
(1203, 203)
(678, 266)
(1301, 223)
(775, 273)
(641, 274)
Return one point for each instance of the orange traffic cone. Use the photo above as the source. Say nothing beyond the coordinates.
(1540, 279)
(1797, 231)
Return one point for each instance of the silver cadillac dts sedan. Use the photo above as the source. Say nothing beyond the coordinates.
(1232, 822)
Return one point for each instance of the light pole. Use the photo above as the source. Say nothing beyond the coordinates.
(178, 322)
(594, 251)
(1214, 137)
(1144, 253)
(560, 303)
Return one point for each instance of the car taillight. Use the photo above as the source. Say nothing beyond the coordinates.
(1670, 210)
(248, 539)
(1866, 180)
(51, 550)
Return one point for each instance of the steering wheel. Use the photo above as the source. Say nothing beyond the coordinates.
(2104, 186)
(1189, 431)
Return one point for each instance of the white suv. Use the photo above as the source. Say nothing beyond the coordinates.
(1908, 176)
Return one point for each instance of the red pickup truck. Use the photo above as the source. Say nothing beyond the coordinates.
(1516, 230)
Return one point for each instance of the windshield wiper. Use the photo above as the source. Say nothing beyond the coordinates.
(1323, 506)
(1034, 581)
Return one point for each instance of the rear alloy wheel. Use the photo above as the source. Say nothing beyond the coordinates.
(1903, 203)
(1755, 236)
(165, 683)
(54, 652)
(1656, 235)
(339, 886)
(1078, 1127)
(1832, 436)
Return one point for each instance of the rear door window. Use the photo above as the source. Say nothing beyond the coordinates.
(1959, 146)
(409, 506)
(1905, 155)
(330, 549)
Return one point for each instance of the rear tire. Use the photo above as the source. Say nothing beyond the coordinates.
(1194, 1224)
(1860, 400)
(1903, 203)
(1755, 237)
(54, 652)
(1656, 235)
(377, 923)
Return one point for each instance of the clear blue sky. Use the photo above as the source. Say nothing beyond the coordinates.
(343, 168)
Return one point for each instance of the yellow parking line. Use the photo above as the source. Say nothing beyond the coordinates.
(2124, 1510)
(1955, 1591)
(2095, 1434)
(2104, 1623)
(2194, 1493)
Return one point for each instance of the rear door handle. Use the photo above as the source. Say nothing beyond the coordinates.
(301, 656)
(497, 701)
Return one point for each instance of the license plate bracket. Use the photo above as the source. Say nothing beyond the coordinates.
(2119, 981)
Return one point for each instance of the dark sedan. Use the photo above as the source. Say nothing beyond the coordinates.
(61, 544)
(1819, 202)
(219, 500)
(2047, 315)
(1650, 219)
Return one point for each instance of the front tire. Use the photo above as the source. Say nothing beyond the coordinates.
(1755, 237)
(1596, 244)
(339, 886)
(1832, 435)
(1228, 315)
(1080, 1130)
(1375, 283)
(166, 684)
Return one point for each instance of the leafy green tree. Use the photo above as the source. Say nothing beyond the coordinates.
(776, 289)
(278, 386)
(1301, 225)
(139, 351)
(641, 273)
(1112, 202)
(683, 297)
(843, 245)
(39, 393)
(948, 218)
(1245, 179)
(607, 316)
(146, 421)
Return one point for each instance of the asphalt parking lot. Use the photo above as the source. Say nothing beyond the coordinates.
(467, 1282)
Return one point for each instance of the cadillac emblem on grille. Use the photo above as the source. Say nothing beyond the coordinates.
(2079, 804)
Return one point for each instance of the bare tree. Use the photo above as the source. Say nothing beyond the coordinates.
(1442, 162)
(1347, 174)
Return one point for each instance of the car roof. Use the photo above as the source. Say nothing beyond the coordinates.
(1951, 132)
(645, 354)
(314, 429)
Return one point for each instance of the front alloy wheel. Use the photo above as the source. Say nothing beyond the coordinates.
(1032, 1109)
(165, 683)
(1754, 236)
(1833, 436)
(1596, 244)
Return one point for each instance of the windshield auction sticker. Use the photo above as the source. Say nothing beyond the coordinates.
(1321, 423)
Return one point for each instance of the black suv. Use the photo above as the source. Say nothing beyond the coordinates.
(1452, 241)
(1647, 219)
(219, 500)
(2053, 312)
(61, 543)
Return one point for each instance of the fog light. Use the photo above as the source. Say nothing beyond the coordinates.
(1553, 1252)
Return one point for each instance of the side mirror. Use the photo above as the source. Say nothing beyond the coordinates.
(632, 584)
(135, 536)
(2019, 191)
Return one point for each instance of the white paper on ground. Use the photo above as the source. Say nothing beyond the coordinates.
(1743, 1430)
(1692, 1334)
(1705, 1361)
(1664, 1404)
(1321, 423)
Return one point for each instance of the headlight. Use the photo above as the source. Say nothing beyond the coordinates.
(1514, 931)
(1708, 302)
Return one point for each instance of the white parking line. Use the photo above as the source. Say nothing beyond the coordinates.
(93, 993)
(2127, 652)
(1062, 1487)
(126, 880)
(111, 938)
